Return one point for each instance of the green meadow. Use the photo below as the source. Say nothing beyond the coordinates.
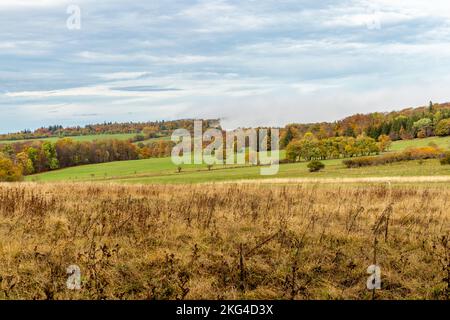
(443, 142)
(164, 138)
(92, 137)
(162, 170)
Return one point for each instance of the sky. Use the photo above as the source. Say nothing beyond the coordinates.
(254, 62)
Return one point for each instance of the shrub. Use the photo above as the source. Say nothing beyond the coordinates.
(421, 153)
(315, 166)
(138, 137)
(446, 159)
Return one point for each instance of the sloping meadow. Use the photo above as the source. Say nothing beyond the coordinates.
(223, 241)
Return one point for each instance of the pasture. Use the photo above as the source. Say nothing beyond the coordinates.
(162, 170)
(443, 142)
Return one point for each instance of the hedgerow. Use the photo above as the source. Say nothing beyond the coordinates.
(420, 153)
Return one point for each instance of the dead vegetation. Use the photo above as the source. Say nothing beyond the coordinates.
(224, 241)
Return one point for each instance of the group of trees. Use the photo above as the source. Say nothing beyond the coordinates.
(311, 148)
(72, 153)
(406, 124)
(422, 125)
(156, 149)
(26, 158)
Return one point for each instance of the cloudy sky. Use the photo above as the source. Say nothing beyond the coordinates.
(251, 62)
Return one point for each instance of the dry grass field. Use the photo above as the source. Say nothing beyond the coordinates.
(224, 241)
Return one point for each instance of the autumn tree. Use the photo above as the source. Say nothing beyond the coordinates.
(423, 127)
(25, 163)
(384, 142)
(293, 150)
(443, 127)
(8, 170)
(48, 155)
(150, 131)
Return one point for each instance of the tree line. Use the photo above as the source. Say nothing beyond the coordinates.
(27, 158)
(422, 122)
(311, 148)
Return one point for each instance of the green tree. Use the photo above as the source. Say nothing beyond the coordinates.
(423, 127)
(315, 166)
(287, 137)
(293, 150)
(349, 132)
(25, 163)
(8, 151)
(49, 152)
(443, 128)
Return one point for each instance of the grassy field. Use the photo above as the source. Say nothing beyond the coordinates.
(121, 136)
(443, 142)
(141, 230)
(226, 241)
(166, 138)
(164, 171)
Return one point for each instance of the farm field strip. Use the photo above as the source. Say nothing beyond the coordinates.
(91, 137)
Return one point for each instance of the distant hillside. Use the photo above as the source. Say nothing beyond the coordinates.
(421, 122)
(148, 129)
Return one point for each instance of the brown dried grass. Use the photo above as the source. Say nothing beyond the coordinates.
(223, 241)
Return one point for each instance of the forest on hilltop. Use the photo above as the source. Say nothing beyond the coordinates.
(151, 129)
(354, 136)
(410, 123)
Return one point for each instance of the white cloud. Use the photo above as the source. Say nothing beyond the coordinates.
(25, 47)
(90, 56)
(221, 16)
(24, 4)
(122, 75)
(93, 91)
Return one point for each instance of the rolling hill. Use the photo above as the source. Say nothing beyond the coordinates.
(162, 170)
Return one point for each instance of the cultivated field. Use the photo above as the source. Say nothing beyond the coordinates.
(91, 137)
(223, 241)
